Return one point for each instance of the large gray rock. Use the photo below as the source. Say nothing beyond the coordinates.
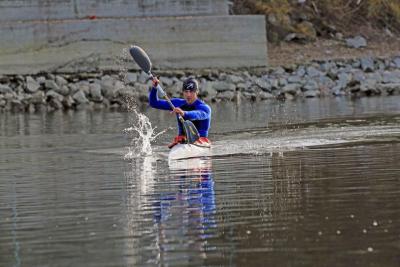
(80, 98)
(51, 85)
(282, 82)
(344, 79)
(31, 85)
(60, 81)
(391, 77)
(325, 82)
(356, 42)
(369, 86)
(63, 90)
(83, 86)
(279, 71)
(4, 88)
(313, 72)
(95, 92)
(377, 76)
(73, 88)
(367, 64)
(264, 85)
(108, 87)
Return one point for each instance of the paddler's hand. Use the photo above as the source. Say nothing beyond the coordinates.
(178, 111)
(155, 82)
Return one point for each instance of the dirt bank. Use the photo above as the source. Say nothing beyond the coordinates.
(323, 49)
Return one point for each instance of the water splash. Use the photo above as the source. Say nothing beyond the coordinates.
(142, 134)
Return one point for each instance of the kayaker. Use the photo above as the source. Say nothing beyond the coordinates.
(190, 107)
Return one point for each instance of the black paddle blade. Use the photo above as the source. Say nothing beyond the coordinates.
(191, 132)
(141, 58)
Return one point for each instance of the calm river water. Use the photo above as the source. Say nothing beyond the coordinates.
(309, 183)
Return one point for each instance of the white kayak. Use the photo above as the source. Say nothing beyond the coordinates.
(184, 151)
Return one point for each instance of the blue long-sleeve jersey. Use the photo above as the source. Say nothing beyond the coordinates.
(198, 112)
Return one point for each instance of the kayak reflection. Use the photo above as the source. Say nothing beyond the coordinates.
(184, 214)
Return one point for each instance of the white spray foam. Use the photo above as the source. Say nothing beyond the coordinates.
(142, 134)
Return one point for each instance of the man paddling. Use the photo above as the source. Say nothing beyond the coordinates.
(190, 108)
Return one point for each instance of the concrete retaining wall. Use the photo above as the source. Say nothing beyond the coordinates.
(172, 42)
(12, 10)
(90, 35)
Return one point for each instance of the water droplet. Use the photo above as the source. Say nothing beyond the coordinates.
(375, 223)
(319, 232)
(338, 232)
(114, 225)
(248, 232)
(352, 216)
(386, 230)
(86, 218)
(326, 218)
(364, 231)
(92, 233)
(370, 249)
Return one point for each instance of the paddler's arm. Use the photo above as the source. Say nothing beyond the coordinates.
(155, 102)
(202, 113)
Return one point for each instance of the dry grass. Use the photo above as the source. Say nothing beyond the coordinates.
(343, 14)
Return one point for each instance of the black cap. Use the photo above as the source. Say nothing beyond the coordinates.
(190, 84)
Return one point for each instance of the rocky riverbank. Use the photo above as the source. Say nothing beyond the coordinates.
(47, 92)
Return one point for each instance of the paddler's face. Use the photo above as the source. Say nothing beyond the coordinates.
(190, 96)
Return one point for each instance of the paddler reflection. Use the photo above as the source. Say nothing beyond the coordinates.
(185, 212)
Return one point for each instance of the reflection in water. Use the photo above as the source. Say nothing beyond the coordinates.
(140, 180)
(15, 227)
(182, 206)
(185, 216)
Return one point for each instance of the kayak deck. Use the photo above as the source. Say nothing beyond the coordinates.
(183, 151)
